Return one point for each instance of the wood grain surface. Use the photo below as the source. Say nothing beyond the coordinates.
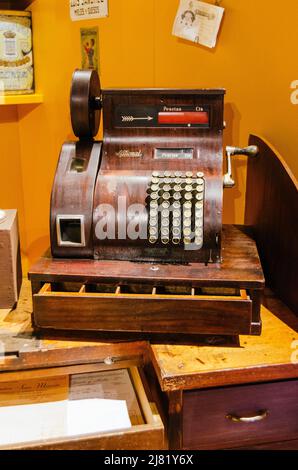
(271, 210)
(255, 359)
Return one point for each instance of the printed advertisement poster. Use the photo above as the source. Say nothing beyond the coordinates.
(90, 49)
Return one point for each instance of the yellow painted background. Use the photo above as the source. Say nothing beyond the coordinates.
(255, 60)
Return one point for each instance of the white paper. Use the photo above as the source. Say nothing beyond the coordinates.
(112, 384)
(88, 9)
(29, 423)
(198, 22)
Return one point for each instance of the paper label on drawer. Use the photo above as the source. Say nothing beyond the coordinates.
(86, 10)
(39, 390)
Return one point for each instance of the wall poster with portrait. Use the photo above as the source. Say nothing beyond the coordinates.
(90, 49)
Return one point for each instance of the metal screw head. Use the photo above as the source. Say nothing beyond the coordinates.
(109, 361)
(154, 268)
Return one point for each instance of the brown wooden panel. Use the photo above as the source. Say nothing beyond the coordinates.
(72, 193)
(129, 177)
(284, 445)
(271, 209)
(156, 314)
(145, 437)
(205, 425)
(240, 267)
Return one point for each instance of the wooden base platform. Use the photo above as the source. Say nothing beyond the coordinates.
(130, 297)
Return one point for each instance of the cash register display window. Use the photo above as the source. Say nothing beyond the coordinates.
(70, 230)
(173, 154)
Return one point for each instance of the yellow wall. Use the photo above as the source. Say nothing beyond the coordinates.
(254, 61)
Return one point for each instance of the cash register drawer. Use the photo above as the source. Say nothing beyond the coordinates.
(143, 308)
(27, 387)
(240, 416)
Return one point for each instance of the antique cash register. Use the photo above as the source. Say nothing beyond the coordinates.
(137, 242)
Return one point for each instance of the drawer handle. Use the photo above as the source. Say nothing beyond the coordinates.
(248, 419)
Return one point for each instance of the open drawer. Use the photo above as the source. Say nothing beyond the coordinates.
(142, 308)
(52, 399)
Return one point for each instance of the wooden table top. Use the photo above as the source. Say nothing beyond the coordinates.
(251, 359)
(271, 356)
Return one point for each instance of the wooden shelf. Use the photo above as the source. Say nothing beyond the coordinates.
(35, 98)
(15, 4)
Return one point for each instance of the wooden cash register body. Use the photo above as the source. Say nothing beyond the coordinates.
(145, 285)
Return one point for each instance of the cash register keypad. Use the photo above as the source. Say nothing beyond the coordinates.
(176, 208)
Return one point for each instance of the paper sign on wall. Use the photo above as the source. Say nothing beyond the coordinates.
(88, 9)
(198, 22)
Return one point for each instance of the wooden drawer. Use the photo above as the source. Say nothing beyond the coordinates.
(147, 431)
(141, 308)
(240, 416)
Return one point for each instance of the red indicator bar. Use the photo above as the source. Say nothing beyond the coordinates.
(184, 117)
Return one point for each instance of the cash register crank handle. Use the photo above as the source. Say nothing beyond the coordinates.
(251, 151)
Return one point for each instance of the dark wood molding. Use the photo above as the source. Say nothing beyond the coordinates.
(271, 210)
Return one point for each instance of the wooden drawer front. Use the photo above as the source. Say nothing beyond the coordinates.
(205, 415)
(143, 312)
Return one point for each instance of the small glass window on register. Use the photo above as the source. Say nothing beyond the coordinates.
(184, 117)
(172, 154)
